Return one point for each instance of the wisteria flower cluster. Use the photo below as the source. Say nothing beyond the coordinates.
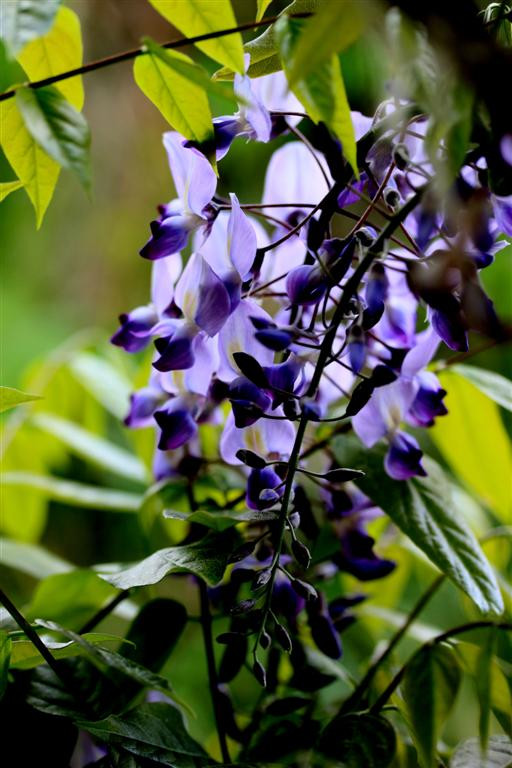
(323, 304)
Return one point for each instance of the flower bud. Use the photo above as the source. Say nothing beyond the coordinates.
(244, 606)
(269, 496)
(391, 198)
(265, 640)
(366, 236)
(291, 409)
(305, 590)
(294, 519)
(259, 673)
(251, 459)
(261, 579)
(401, 156)
(301, 553)
(283, 638)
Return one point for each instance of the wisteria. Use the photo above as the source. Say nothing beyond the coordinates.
(322, 307)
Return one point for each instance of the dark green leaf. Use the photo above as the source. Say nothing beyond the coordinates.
(148, 644)
(23, 20)
(359, 740)
(483, 678)
(146, 728)
(423, 509)
(430, 685)
(469, 755)
(5, 660)
(59, 129)
(206, 558)
(25, 656)
(223, 519)
(69, 598)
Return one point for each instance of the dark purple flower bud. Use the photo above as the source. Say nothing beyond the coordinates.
(143, 404)
(227, 638)
(450, 326)
(283, 707)
(311, 410)
(285, 600)
(342, 475)
(370, 319)
(259, 673)
(403, 459)
(251, 459)
(247, 401)
(392, 198)
(259, 480)
(376, 288)
(324, 635)
(225, 129)
(168, 236)
(360, 396)
(294, 519)
(251, 369)
(274, 338)
(301, 554)
(176, 353)
(232, 660)
(306, 284)
(291, 409)
(482, 260)
(305, 590)
(135, 331)
(339, 605)
(428, 402)
(479, 311)
(401, 156)
(283, 376)
(356, 348)
(265, 640)
(358, 558)
(269, 497)
(227, 715)
(282, 637)
(244, 606)
(382, 375)
(426, 222)
(176, 424)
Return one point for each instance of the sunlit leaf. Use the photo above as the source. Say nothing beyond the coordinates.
(37, 172)
(492, 384)
(25, 656)
(333, 28)
(31, 559)
(10, 397)
(423, 509)
(59, 50)
(358, 740)
(91, 447)
(200, 17)
(6, 187)
(23, 20)
(469, 755)
(430, 686)
(69, 598)
(475, 444)
(104, 381)
(206, 558)
(264, 50)
(182, 102)
(322, 90)
(261, 7)
(483, 679)
(57, 127)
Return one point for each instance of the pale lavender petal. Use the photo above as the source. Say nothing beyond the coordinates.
(503, 213)
(194, 178)
(369, 424)
(202, 296)
(294, 176)
(273, 91)
(361, 123)
(506, 148)
(241, 239)
(164, 275)
(251, 109)
(421, 354)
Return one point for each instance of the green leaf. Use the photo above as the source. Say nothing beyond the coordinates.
(35, 169)
(423, 509)
(75, 494)
(10, 397)
(104, 381)
(22, 20)
(5, 660)
(91, 447)
(31, 559)
(25, 656)
(430, 685)
(333, 28)
(169, 80)
(206, 558)
(146, 728)
(262, 6)
(322, 90)
(358, 740)
(69, 598)
(221, 520)
(475, 444)
(200, 17)
(483, 678)
(6, 187)
(59, 50)
(58, 128)
(469, 755)
(492, 384)
(264, 50)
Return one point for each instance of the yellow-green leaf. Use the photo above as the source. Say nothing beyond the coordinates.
(182, 102)
(58, 51)
(322, 91)
(200, 17)
(474, 442)
(35, 169)
(333, 28)
(261, 8)
(6, 187)
(22, 20)
(10, 397)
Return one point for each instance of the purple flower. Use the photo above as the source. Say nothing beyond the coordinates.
(177, 424)
(136, 329)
